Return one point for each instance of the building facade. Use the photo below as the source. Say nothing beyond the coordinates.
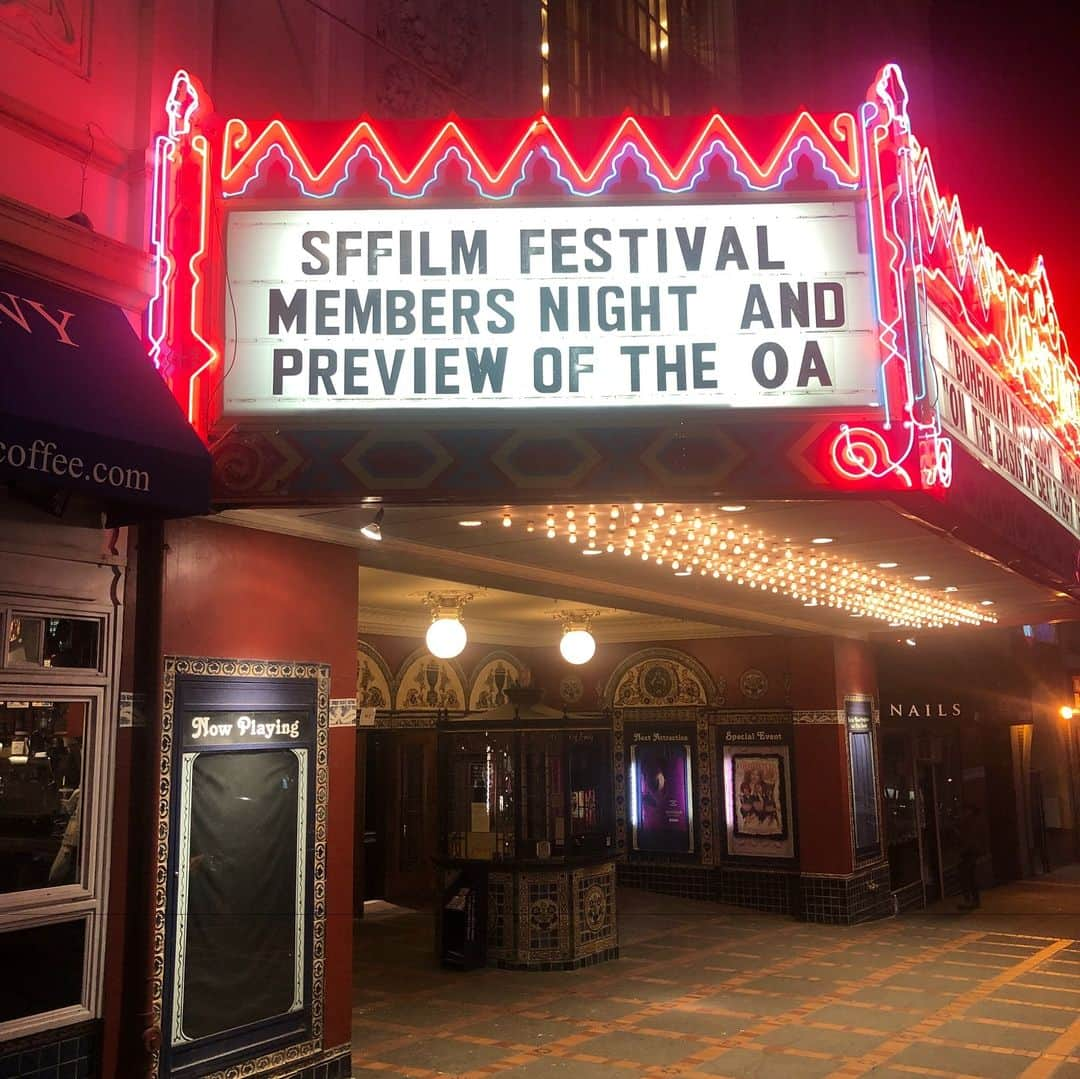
(201, 708)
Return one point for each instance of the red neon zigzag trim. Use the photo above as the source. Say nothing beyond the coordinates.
(241, 154)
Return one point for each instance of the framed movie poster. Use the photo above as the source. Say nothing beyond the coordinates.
(757, 792)
(243, 923)
(661, 791)
(864, 783)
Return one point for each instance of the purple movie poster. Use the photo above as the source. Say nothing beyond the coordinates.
(662, 797)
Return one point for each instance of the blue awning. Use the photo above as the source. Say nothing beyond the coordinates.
(84, 412)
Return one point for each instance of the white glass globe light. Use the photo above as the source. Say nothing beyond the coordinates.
(577, 646)
(446, 638)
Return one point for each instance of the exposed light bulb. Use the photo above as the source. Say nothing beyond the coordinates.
(446, 637)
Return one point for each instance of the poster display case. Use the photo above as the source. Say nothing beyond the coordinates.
(244, 915)
(757, 807)
(661, 789)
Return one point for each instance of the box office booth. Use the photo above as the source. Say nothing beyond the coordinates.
(527, 851)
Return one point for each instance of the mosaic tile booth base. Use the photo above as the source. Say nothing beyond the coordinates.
(556, 918)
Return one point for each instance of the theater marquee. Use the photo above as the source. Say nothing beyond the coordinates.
(691, 305)
(755, 307)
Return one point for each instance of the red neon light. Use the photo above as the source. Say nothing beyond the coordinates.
(242, 154)
(1010, 318)
(859, 453)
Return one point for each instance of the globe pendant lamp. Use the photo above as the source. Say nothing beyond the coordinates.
(446, 637)
(578, 645)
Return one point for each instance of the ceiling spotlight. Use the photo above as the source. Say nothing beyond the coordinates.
(909, 641)
(986, 603)
(373, 530)
(732, 509)
(822, 539)
(1065, 712)
(507, 520)
(922, 577)
(951, 588)
(887, 565)
(470, 524)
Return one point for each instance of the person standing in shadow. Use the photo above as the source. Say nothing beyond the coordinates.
(970, 829)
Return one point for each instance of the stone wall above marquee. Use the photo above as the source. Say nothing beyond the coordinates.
(662, 678)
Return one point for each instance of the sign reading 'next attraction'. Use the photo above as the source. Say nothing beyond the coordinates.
(752, 305)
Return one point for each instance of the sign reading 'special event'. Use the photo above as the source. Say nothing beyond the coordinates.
(751, 306)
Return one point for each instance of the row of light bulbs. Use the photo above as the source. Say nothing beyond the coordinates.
(708, 546)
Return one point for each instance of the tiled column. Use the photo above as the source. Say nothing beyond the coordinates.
(836, 887)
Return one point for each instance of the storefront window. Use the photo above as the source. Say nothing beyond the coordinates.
(41, 788)
(57, 717)
(43, 641)
(49, 961)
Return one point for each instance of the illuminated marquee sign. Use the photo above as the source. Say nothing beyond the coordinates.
(720, 268)
(695, 305)
(980, 411)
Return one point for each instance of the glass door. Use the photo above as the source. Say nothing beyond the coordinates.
(929, 835)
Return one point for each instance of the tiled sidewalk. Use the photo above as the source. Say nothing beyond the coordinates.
(703, 990)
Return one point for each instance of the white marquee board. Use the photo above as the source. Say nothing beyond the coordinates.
(754, 305)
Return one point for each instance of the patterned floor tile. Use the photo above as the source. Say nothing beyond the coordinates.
(700, 990)
(985, 1064)
(748, 1064)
